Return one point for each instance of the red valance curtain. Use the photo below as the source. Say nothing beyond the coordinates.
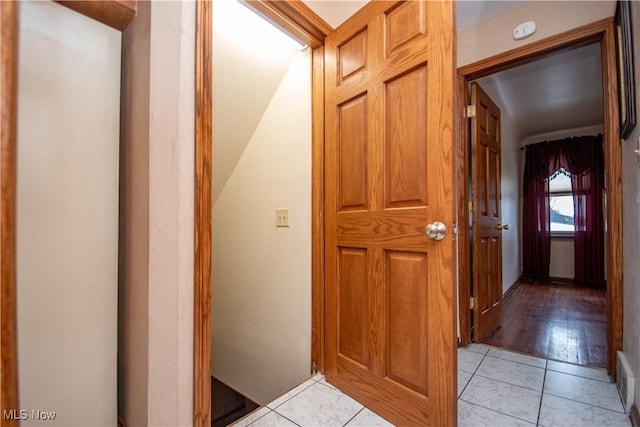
(583, 158)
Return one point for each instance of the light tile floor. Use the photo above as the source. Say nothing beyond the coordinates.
(495, 388)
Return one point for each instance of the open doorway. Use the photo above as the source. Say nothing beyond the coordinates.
(554, 314)
(591, 53)
(261, 286)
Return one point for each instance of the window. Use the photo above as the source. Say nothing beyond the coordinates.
(561, 205)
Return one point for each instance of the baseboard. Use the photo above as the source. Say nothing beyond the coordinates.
(635, 416)
(561, 280)
(512, 288)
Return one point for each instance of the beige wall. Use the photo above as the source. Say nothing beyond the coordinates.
(510, 202)
(67, 210)
(631, 226)
(495, 35)
(261, 337)
(156, 241)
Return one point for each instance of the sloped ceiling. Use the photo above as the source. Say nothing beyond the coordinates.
(563, 91)
(250, 59)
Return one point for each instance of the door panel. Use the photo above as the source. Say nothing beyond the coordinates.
(487, 241)
(390, 312)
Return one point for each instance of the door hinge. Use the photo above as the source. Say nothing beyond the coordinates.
(470, 206)
(472, 303)
(470, 111)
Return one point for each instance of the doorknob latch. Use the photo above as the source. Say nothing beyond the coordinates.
(435, 230)
(501, 227)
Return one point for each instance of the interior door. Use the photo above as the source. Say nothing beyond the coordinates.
(390, 291)
(487, 229)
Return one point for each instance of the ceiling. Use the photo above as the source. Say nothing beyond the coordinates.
(563, 91)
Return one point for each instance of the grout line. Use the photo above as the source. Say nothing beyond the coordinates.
(355, 415)
(286, 418)
(496, 411)
(544, 380)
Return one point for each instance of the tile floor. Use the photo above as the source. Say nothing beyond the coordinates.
(495, 388)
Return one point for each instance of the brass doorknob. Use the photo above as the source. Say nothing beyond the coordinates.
(501, 227)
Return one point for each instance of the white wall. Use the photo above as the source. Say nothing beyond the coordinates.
(155, 378)
(511, 201)
(67, 210)
(631, 226)
(261, 337)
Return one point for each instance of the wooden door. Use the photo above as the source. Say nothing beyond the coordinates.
(390, 291)
(487, 229)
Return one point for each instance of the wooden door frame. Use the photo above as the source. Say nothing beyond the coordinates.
(117, 14)
(601, 32)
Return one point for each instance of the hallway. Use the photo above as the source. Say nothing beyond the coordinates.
(495, 388)
(554, 321)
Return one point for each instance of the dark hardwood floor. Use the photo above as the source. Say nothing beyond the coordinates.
(555, 321)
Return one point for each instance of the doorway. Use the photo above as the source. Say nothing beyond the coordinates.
(599, 35)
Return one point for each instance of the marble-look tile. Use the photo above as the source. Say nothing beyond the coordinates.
(317, 377)
(273, 419)
(512, 373)
(324, 381)
(585, 390)
(463, 380)
(368, 418)
(469, 361)
(477, 348)
(320, 405)
(517, 357)
(508, 399)
(471, 415)
(556, 411)
(253, 416)
(580, 371)
(288, 395)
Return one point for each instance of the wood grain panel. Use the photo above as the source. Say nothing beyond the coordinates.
(482, 165)
(406, 140)
(493, 160)
(117, 14)
(404, 23)
(352, 153)
(407, 320)
(9, 12)
(203, 215)
(353, 315)
(352, 56)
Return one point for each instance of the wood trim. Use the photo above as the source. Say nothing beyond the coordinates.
(512, 288)
(462, 173)
(116, 14)
(317, 209)
(203, 212)
(570, 39)
(8, 138)
(294, 18)
(613, 179)
(603, 32)
(635, 416)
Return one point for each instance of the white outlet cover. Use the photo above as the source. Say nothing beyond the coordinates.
(524, 30)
